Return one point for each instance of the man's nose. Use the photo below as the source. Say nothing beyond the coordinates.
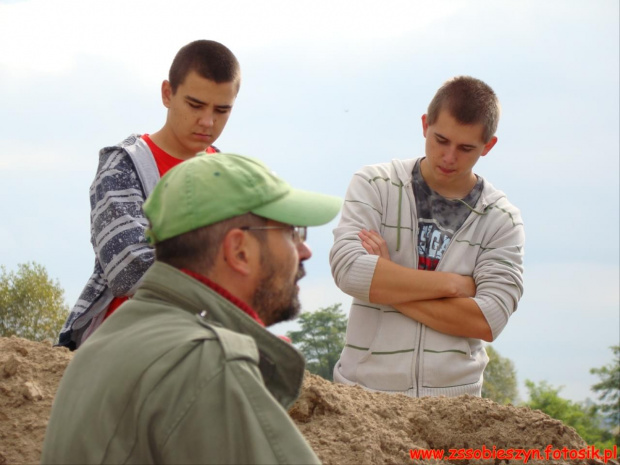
(304, 252)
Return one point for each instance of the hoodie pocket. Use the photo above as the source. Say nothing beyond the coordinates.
(389, 362)
(448, 361)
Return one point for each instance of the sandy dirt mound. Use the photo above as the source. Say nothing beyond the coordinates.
(29, 375)
(351, 425)
(344, 425)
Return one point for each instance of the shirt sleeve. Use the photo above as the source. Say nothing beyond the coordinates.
(118, 223)
(499, 269)
(353, 267)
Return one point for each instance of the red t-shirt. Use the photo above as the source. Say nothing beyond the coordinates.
(165, 162)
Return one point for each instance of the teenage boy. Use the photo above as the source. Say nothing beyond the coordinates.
(185, 372)
(432, 255)
(199, 94)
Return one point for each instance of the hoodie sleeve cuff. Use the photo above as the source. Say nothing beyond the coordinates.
(497, 318)
(359, 277)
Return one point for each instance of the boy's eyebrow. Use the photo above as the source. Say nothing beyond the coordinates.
(200, 102)
(467, 146)
(194, 100)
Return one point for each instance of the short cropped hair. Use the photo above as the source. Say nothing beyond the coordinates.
(197, 250)
(209, 59)
(469, 101)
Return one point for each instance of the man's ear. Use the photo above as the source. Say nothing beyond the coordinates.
(166, 93)
(424, 125)
(488, 146)
(238, 251)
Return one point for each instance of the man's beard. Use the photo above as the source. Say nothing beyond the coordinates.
(276, 300)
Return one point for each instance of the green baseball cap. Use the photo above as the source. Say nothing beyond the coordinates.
(211, 188)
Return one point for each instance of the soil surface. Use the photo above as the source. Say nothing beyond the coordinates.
(343, 424)
(29, 375)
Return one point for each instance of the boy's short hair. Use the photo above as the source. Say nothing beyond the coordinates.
(209, 59)
(469, 101)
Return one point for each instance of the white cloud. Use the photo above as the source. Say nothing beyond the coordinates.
(46, 37)
(553, 63)
(566, 321)
(8, 243)
(19, 155)
(317, 293)
(592, 289)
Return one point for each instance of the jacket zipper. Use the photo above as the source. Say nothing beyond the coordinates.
(421, 327)
(418, 341)
(418, 359)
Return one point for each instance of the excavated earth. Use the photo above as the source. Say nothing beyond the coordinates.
(343, 424)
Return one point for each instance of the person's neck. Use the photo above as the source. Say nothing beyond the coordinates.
(454, 190)
(228, 292)
(165, 141)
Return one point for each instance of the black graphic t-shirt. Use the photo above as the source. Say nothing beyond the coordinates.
(438, 218)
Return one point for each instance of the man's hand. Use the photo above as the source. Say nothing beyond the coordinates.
(465, 286)
(436, 299)
(461, 286)
(374, 243)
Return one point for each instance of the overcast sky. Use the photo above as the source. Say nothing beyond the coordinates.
(329, 86)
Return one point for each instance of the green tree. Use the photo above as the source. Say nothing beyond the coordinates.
(585, 419)
(608, 390)
(321, 339)
(31, 304)
(500, 379)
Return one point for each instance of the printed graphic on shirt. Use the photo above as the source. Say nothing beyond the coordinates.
(438, 219)
(432, 243)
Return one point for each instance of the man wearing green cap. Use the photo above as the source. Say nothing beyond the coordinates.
(185, 371)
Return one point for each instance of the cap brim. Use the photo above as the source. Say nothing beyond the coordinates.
(301, 208)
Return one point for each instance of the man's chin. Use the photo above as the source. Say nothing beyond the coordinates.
(287, 314)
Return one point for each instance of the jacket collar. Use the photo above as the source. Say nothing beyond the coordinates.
(281, 365)
(404, 171)
(224, 293)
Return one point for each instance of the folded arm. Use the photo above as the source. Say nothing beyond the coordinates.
(365, 270)
(393, 284)
(457, 316)
(498, 275)
(118, 224)
(447, 302)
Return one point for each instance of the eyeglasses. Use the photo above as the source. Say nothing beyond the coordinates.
(299, 233)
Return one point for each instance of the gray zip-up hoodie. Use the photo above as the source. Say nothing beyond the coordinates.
(126, 174)
(387, 351)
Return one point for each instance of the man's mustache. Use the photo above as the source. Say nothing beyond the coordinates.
(301, 272)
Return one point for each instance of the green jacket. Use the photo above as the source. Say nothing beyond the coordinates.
(178, 374)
